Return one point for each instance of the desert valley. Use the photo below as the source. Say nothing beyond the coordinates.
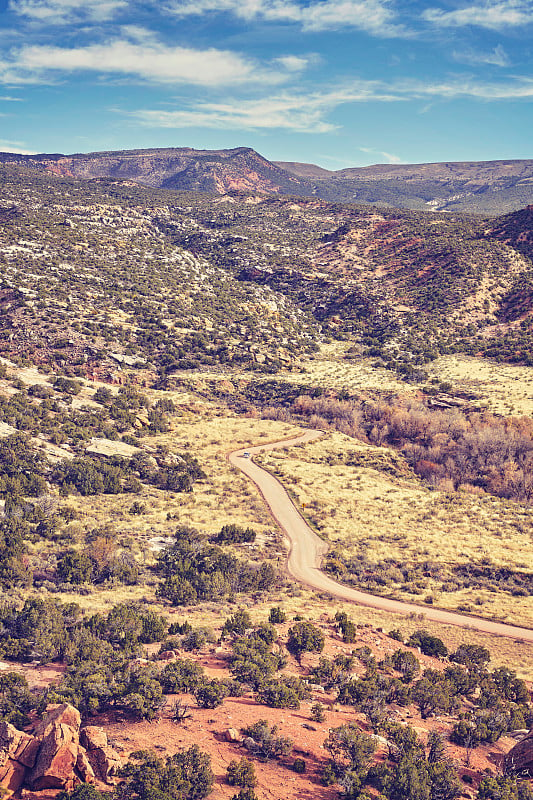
(266, 476)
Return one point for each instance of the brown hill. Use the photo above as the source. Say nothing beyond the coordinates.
(517, 230)
(216, 171)
(304, 170)
(489, 187)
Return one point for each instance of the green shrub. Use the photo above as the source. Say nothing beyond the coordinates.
(428, 644)
(210, 694)
(183, 776)
(305, 637)
(276, 615)
(181, 676)
(241, 773)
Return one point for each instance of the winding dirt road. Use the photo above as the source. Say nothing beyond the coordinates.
(307, 550)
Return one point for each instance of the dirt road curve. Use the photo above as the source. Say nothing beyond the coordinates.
(307, 550)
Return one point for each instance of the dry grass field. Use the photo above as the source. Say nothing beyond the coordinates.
(365, 502)
(224, 497)
(328, 368)
(506, 388)
(373, 505)
(400, 513)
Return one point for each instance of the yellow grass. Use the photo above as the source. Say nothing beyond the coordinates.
(327, 368)
(389, 511)
(224, 497)
(393, 516)
(502, 388)
(506, 388)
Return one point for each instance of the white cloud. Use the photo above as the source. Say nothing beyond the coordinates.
(293, 63)
(280, 113)
(67, 11)
(310, 113)
(390, 158)
(497, 57)
(295, 112)
(15, 147)
(7, 99)
(520, 87)
(492, 15)
(137, 33)
(373, 16)
(148, 61)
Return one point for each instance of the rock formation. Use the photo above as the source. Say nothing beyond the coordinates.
(52, 757)
(519, 759)
(18, 752)
(103, 758)
(55, 766)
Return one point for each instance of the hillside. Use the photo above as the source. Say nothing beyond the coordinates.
(102, 274)
(92, 281)
(148, 603)
(482, 187)
(492, 187)
(516, 230)
(185, 169)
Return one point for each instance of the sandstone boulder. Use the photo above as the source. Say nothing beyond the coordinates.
(55, 767)
(519, 759)
(105, 762)
(249, 743)
(103, 758)
(232, 735)
(92, 737)
(53, 758)
(83, 767)
(60, 715)
(12, 775)
(18, 752)
(18, 745)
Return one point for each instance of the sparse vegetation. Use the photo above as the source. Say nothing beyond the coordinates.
(123, 527)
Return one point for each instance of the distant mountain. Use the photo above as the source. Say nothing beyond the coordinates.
(473, 171)
(484, 187)
(304, 170)
(215, 171)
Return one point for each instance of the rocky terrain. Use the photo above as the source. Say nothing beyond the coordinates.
(144, 333)
(55, 755)
(66, 750)
(492, 187)
(87, 268)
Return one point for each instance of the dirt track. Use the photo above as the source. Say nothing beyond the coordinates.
(307, 550)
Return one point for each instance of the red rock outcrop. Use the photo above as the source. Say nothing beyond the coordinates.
(18, 752)
(55, 766)
(93, 737)
(519, 759)
(103, 758)
(53, 758)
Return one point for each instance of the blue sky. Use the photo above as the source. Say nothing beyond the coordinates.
(334, 82)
